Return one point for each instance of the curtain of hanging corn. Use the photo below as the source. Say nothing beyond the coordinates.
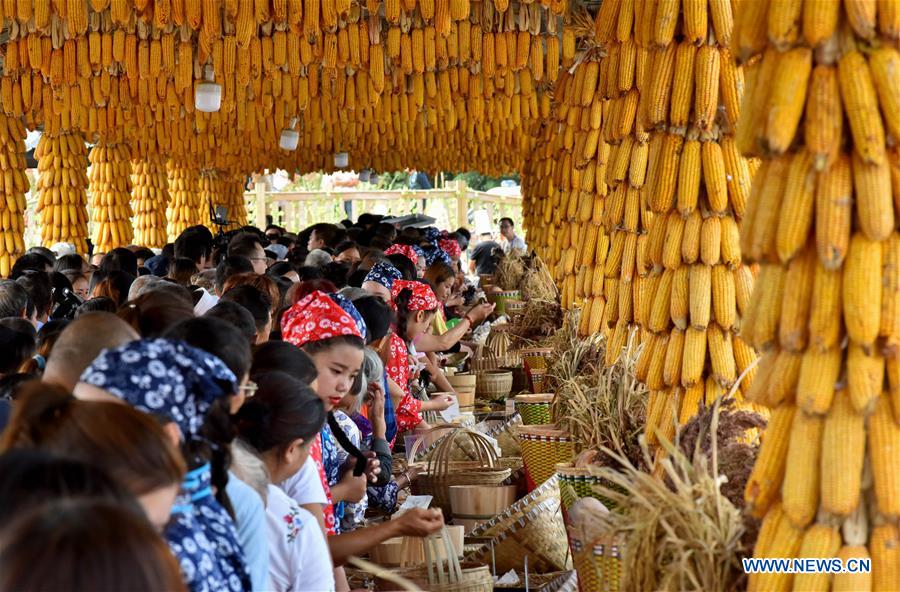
(821, 110)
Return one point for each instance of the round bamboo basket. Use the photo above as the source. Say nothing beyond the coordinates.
(474, 504)
(463, 380)
(544, 447)
(494, 384)
(534, 409)
(536, 357)
(538, 380)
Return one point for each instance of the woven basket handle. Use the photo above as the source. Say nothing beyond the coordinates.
(439, 463)
(419, 443)
(434, 563)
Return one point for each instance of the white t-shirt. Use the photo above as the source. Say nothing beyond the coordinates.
(299, 558)
(305, 487)
(516, 244)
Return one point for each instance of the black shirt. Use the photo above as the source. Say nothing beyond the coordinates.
(484, 258)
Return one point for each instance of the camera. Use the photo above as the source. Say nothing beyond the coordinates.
(65, 303)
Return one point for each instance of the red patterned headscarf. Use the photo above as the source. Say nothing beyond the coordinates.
(451, 247)
(314, 318)
(405, 250)
(422, 298)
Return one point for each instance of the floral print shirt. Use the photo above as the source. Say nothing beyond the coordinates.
(409, 410)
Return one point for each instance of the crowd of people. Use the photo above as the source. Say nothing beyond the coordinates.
(221, 415)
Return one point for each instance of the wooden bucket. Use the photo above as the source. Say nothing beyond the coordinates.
(474, 504)
(463, 381)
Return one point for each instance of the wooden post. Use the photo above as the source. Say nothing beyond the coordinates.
(260, 204)
(462, 204)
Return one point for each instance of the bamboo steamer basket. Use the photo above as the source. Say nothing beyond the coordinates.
(410, 550)
(443, 576)
(466, 400)
(533, 527)
(544, 447)
(474, 504)
(534, 409)
(494, 384)
(463, 381)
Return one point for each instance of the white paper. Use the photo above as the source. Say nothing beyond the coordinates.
(414, 501)
(509, 578)
(451, 412)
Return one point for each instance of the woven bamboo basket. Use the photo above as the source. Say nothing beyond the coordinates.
(576, 483)
(536, 357)
(515, 309)
(534, 409)
(488, 360)
(503, 431)
(494, 384)
(544, 447)
(440, 576)
(597, 563)
(538, 381)
(531, 527)
(442, 471)
(501, 298)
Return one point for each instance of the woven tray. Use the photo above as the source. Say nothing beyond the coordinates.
(531, 527)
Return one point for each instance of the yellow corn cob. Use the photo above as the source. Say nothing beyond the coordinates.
(852, 582)
(884, 546)
(796, 214)
(824, 118)
(833, 213)
(819, 541)
(884, 439)
(861, 289)
(861, 106)
(795, 308)
(843, 449)
(694, 357)
(800, 489)
(706, 94)
(683, 84)
(874, 206)
(764, 483)
(786, 98)
(819, 372)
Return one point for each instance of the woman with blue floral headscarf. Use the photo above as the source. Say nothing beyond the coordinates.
(193, 390)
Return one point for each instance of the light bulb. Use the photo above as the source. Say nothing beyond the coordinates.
(208, 94)
(289, 139)
(341, 159)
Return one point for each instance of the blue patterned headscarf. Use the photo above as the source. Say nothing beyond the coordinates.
(348, 307)
(384, 274)
(432, 235)
(164, 377)
(434, 253)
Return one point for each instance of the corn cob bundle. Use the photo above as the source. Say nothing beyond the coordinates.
(185, 197)
(62, 181)
(694, 282)
(210, 196)
(233, 198)
(15, 183)
(820, 222)
(150, 194)
(110, 178)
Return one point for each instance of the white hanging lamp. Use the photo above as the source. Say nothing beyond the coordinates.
(341, 159)
(208, 94)
(289, 137)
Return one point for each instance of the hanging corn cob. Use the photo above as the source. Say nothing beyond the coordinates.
(185, 198)
(820, 221)
(110, 178)
(62, 180)
(233, 198)
(15, 184)
(150, 194)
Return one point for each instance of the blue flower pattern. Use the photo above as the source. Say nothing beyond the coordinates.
(203, 538)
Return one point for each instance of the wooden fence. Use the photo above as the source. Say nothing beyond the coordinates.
(451, 207)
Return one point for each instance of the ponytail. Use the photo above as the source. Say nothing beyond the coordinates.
(214, 446)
